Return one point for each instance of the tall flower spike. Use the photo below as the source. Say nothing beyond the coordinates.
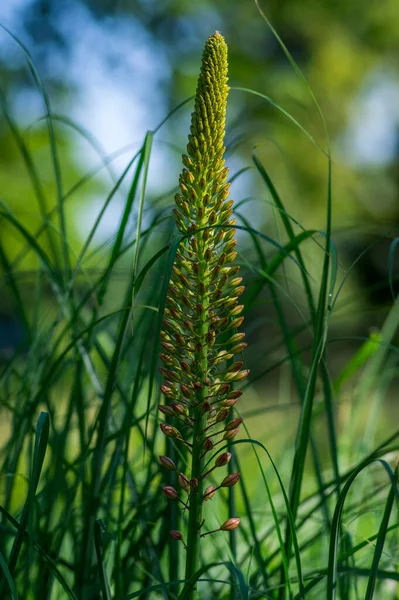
(202, 302)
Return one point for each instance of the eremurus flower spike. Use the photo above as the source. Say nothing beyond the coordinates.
(202, 305)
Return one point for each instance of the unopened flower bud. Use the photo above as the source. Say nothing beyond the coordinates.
(215, 273)
(230, 524)
(178, 408)
(229, 403)
(208, 444)
(234, 394)
(167, 391)
(234, 282)
(176, 535)
(236, 322)
(235, 367)
(166, 358)
(223, 459)
(170, 431)
(230, 480)
(239, 290)
(188, 325)
(222, 415)
(210, 338)
(206, 407)
(236, 310)
(167, 463)
(233, 424)
(224, 388)
(238, 348)
(170, 492)
(209, 492)
(185, 391)
(185, 366)
(236, 338)
(168, 347)
(180, 341)
(166, 410)
(194, 483)
(237, 376)
(229, 435)
(172, 375)
(186, 301)
(183, 482)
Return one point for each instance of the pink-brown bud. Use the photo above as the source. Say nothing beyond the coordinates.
(180, 340)
(186, 301)
(235, 323)
(230, 403)
(206, 407)
(224, 388)
(166, 358)
(167, 390)
(233, 424)
(229, 435)
(208, 444)
(167, 463)
(195, 267)
(236, 338)
(170, 492)
(230, 480)
(210, 337)
(194, 483)
(170, 431)
(234, 394)
(166, 410)
(236, 310)
(238, 348)
(178, 408)
(209, 492)
(222, 415)
(183, 482)
(234, 282)
(168, 347)
(235, 367)
(230, 524)
(188, 325)
(223, 459)
(176, 535)
(185, 391)
(169, 374)
(237, 376)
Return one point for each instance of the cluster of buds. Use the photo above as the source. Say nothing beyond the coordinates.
(199, 337)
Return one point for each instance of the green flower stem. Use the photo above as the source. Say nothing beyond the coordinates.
(195, 514)
(196, 498)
